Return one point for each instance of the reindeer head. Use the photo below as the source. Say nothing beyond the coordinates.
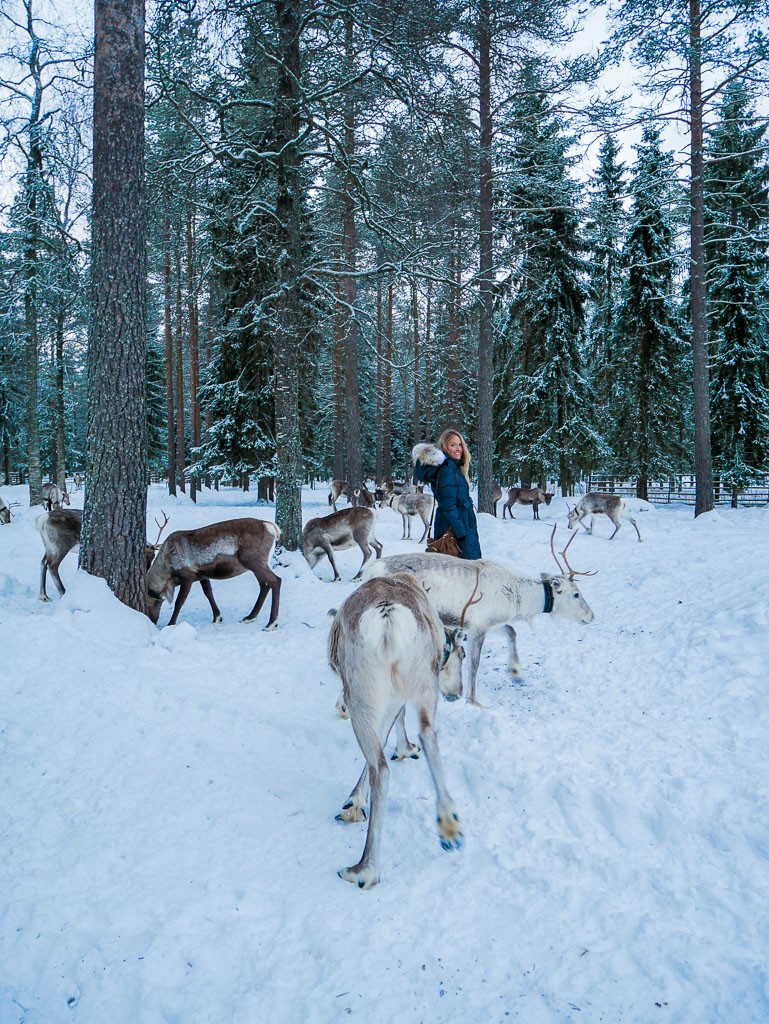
(450, 678)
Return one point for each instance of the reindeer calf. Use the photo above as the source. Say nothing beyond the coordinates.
(338, 531)
(389, 648)
(217, 552)
(610, 505)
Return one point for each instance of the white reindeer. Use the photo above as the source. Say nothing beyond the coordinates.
(389, 647)
(610, 505)
(504, 596)
(409, 505)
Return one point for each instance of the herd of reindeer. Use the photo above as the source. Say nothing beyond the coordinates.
(401, 637)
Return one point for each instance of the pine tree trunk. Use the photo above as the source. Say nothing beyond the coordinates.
(417, 391)
(288, 509)
(485, 392)
(379, 383)
(114, 521)
(387, 418)
(349, 257)
(702, 452)
(181, 455)
(339, 470)
(193, 319)
(169, 344)
(59, 445)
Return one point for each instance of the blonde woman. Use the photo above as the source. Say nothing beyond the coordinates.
(446, 467)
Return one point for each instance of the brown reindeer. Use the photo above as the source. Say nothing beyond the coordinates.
(534, 496)
(53, 496)
(340, 530)
(337, 489)
(60, 532)
(220, 551)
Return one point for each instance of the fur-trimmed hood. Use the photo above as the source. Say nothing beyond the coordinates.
(427, 454)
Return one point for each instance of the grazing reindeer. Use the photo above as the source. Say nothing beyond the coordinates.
(220, 551)
(362, 498)
(77, 481)
(409, 505)
(60, 530)
(5, 513)
(534, 496)
(505, 596)
(389, 648)
(610, 505)
(338, 488)
(53, 496)
(340, 530)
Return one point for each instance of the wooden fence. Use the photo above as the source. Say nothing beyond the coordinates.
(681, 489)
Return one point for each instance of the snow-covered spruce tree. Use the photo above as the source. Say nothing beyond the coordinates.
(736, 216)
(649, 366)
(545, 407)
(605, 231)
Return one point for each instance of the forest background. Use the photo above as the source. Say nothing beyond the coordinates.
(367, 220)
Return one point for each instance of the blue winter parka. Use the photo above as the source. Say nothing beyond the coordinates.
(452, 496)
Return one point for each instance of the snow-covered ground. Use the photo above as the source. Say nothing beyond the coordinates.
(169, 848)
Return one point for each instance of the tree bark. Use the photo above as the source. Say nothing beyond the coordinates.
(703, 463)
(193, 320)
(288, 509)
(485, 395)
(114, 521)
(169, 346)
(181, 453)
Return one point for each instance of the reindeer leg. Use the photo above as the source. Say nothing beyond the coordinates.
(330, 555)
(449, 828)
(513, 664)
(354, 808)
(404, 747)
(366, 555)
(640, 538)
(54, 571)
(474, 657)
(268, 583)
(208, 591)
(184, 590)
(42, 596)
(426, 523)
(617, 525)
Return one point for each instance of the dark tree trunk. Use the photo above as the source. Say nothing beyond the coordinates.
(339, 470)
(387, 418)
(703, 463)
(485, 395)
(379, 383)
(32, 198)
(169, 344)
(114, 522)
(59, 446)
(417, 391)
(349, 258)
(193, 319)
(288, 510)
(181, 454)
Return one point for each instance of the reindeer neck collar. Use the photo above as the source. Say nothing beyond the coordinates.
(549, 599)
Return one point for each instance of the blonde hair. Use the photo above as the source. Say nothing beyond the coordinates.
(443, 444)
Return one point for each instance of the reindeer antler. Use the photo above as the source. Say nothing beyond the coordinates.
(161, 527)
(471, 601)
(572, 572)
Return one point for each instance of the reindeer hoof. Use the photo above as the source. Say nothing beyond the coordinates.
(351, 814)
(364, 878)
(411, 751)
(45, 599)
(218, 618)
(450, 832)
(270, 627)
